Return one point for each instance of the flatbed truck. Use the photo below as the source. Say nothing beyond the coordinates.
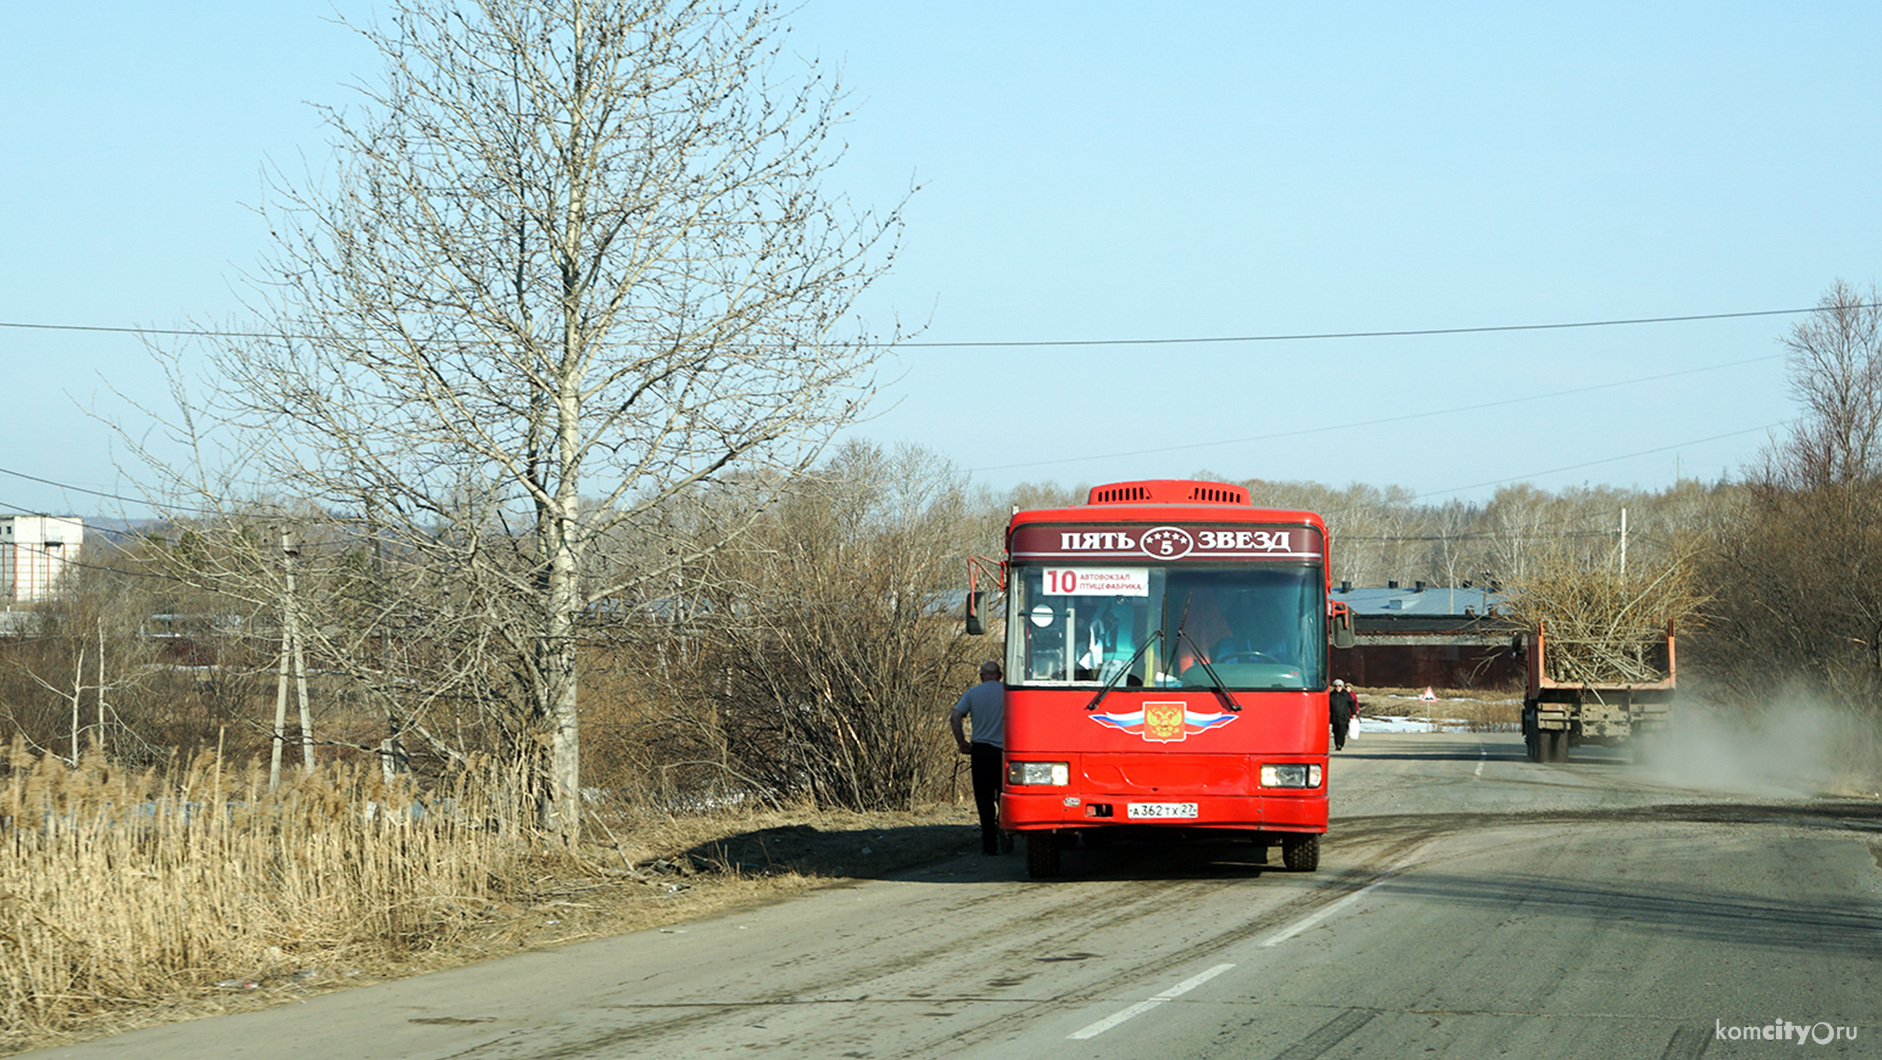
(1559, 714)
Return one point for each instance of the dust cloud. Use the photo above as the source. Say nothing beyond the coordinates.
(1794, 748)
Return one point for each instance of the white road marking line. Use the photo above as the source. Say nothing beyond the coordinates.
(1313, 918)
(1142, 1007)
(1283, 935)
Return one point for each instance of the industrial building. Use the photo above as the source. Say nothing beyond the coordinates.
(1425, 636)
(35, 551)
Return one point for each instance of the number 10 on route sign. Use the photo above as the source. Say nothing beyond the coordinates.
(1097, 581)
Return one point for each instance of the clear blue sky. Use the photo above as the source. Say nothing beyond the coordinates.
(1099, 171)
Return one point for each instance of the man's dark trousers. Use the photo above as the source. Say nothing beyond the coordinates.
(987, 764)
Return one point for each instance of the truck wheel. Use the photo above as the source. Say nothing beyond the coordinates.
(1554, 746)
(1300, 853)
(1042, 854)
(1532, 745)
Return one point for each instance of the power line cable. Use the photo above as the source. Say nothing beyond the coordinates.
(1331, 512)
(1481, 536)
(1026, 343)
(1324, 428)
(1149, 451)
(1603, 460)
(71, 488)
(1386, 334)
(108, 496)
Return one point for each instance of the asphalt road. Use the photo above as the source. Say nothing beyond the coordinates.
(1469, 903)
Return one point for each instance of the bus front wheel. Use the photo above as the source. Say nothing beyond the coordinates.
(1042, 854)
(1300, 853)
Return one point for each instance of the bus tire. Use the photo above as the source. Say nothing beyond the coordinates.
(1300, 853)
(1042, 854)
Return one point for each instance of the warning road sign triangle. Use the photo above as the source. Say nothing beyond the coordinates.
(1429, 696)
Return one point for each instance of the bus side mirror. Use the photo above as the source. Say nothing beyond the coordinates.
(976, 605)
(1343, 636)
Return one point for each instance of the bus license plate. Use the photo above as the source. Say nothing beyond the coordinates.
(1138, 811)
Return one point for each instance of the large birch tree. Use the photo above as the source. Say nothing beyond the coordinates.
(573, 260)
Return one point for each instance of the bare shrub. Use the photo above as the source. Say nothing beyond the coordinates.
(1796, 571)
(1798, 608)
(124, 662)
(838, 644)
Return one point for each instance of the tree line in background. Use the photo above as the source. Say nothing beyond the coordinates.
(801, 639)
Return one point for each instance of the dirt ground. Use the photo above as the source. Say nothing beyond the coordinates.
(630, 876)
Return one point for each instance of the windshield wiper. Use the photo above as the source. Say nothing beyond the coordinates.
(1155, 635)
(1221, 687)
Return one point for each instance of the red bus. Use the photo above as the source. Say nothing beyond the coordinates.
(1166, 670)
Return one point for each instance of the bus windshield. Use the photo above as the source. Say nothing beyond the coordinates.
(1256, 628)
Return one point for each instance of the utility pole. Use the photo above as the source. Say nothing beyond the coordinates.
(392, 759)
(98, 740)
(1623, 544)
(290, 649)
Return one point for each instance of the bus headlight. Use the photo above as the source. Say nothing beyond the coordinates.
(1057, 774)
(1290, 775)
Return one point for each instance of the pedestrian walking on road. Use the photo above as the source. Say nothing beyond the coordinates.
(1341, 706)
(984, 705)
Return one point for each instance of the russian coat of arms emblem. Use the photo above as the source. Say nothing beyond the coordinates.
(1163, 722)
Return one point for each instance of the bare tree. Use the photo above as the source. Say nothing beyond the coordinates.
(1450, 552)
(83, 659)
(573, 260)
(96, 650)
(1796, 565)
(1835, 364)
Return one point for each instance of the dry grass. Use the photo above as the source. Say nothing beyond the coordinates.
(132, 898)
(1458, 710)
(124, 889)
(1484, 717)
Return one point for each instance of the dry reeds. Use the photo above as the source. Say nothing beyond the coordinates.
(1478, 716)
(121, 888)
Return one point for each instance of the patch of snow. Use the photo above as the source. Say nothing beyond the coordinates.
(1375, 723)
(1393, 723)
(1446, 699)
